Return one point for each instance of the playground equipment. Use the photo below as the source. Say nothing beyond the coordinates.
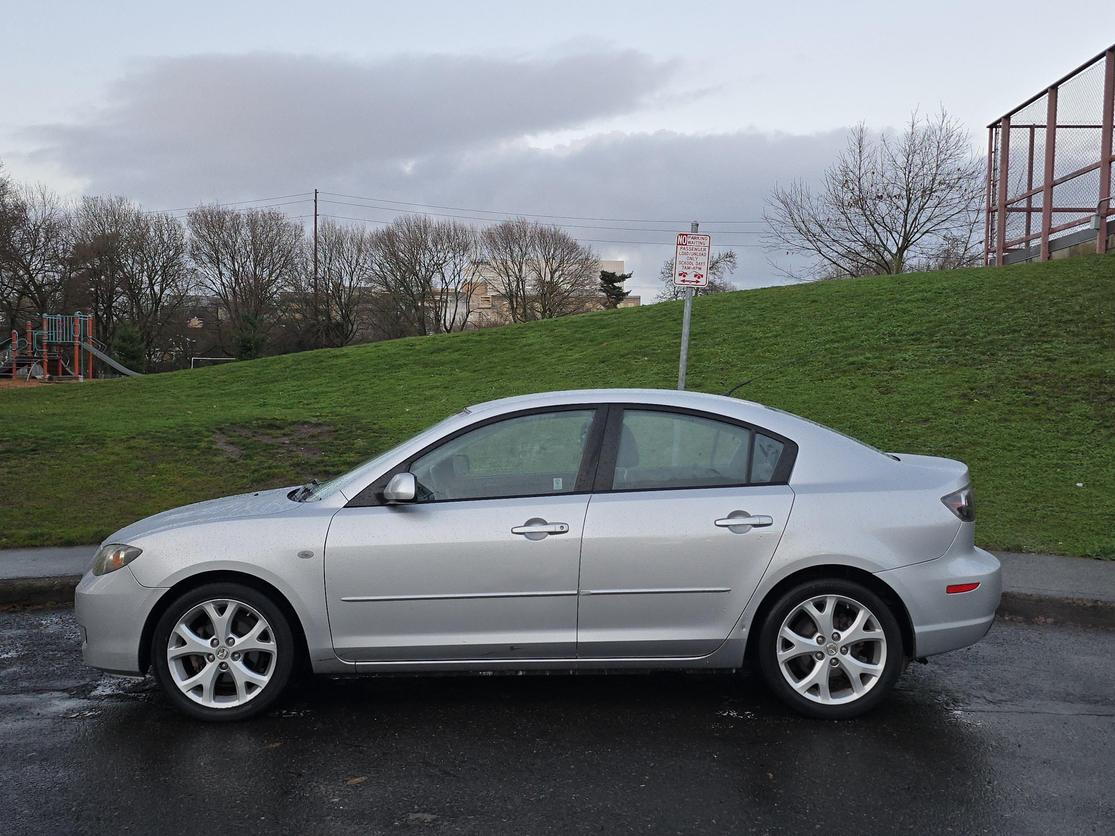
(63, 349)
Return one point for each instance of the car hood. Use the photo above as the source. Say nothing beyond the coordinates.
(241, 506)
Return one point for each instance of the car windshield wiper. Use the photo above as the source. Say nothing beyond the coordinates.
(305, 492)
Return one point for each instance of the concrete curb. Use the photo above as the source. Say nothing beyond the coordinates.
(1048, 609)
(1014, 606)
(37, 591)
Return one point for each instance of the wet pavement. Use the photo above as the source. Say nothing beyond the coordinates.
(1015, 735)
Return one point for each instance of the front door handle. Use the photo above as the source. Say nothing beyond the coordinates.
(740, 522)
(536, 529)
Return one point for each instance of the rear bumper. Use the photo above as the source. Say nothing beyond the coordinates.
(941, 621)
(111, 610)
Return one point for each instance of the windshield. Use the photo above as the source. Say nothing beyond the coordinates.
(314, 490)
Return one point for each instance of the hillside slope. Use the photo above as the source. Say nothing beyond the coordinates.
(1011, 370)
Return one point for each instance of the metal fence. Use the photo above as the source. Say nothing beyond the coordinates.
(1049, 169)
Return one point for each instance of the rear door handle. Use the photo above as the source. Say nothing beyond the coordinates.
(745, 521)
(536, 529)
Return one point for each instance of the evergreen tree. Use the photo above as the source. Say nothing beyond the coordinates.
(127, 346)
(250, 338)
(611, 285)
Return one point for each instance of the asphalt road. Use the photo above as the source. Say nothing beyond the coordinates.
(1015, 735)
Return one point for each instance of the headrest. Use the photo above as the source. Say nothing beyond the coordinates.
(628, 455)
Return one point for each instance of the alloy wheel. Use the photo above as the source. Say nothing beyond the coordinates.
(831, 649)
(221, 653)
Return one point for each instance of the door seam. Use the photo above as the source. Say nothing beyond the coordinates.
(580, 562)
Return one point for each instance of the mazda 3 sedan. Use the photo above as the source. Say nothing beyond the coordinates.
(571, 531)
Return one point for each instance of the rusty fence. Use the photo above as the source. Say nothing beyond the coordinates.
(1049, 169)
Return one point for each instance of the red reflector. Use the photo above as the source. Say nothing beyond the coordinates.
(954, 588)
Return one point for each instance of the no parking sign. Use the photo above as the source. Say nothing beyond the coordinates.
(691, 256)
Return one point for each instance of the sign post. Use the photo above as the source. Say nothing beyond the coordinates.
(691, 258)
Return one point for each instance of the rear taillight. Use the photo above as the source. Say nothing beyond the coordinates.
(960, 503)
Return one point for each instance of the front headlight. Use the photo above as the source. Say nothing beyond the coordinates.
(114, 556)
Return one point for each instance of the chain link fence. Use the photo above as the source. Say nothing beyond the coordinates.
(1049, 170)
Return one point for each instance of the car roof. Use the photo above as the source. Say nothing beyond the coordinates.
(667, 397)
(749, 411)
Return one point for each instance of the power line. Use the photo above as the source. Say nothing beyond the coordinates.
(347, 218)
(306, 197)
(500, 220)
(530, 214)
(582, 240)
(181, 213)
(237, 203)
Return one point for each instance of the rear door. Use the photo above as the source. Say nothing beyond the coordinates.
(687, 515)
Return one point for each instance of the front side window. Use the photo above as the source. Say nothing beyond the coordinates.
(530, 455)
(674, 450)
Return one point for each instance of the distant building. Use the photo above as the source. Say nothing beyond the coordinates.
(489, 307)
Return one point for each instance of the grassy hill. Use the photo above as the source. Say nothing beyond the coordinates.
(1011, 370)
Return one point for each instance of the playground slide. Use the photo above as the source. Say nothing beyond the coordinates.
(105, 358)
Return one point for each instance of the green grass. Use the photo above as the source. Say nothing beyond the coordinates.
(1011, 370)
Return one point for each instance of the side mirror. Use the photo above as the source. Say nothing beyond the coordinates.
(403, 487)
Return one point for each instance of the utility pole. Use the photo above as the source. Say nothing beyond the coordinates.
(316, 299)
(685, 326)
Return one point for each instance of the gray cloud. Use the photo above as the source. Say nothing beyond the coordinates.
(221, 123)
(663, 176)
(435, 129)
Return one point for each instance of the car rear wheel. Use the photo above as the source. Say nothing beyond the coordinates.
(223, 652)
(830, 649)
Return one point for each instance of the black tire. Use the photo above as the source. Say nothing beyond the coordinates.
(769, 645)
(263, 698)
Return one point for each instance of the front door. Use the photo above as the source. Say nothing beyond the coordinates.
(688, 519)
(485, 564)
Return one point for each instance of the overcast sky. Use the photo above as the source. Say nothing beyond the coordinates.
(618, 110)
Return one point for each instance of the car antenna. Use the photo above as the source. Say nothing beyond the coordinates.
(728, 394)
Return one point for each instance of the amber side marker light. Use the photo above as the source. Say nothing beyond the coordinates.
(956, 588)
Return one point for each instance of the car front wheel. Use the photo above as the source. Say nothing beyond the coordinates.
(830, 649)
(222, 652)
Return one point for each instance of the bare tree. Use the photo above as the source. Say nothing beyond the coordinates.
(458, 268)
(35, 252)
(888, 204)
(425, 272)
(541, 271)
(101, 226)
(720, 268)
(130, 266)
(10, 212)
(508, 247)
(346, 260)
(406, 267)
(244, 259)
(564, 274)
(157, 278)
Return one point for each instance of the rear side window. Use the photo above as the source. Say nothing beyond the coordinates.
(675, 450)
(765, 458)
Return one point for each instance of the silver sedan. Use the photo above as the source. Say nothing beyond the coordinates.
(590, 530)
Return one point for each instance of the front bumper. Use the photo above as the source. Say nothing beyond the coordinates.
(112, 610)
(941, 621)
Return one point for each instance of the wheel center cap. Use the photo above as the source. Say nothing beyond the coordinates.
(222, 653)
(831, 649)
